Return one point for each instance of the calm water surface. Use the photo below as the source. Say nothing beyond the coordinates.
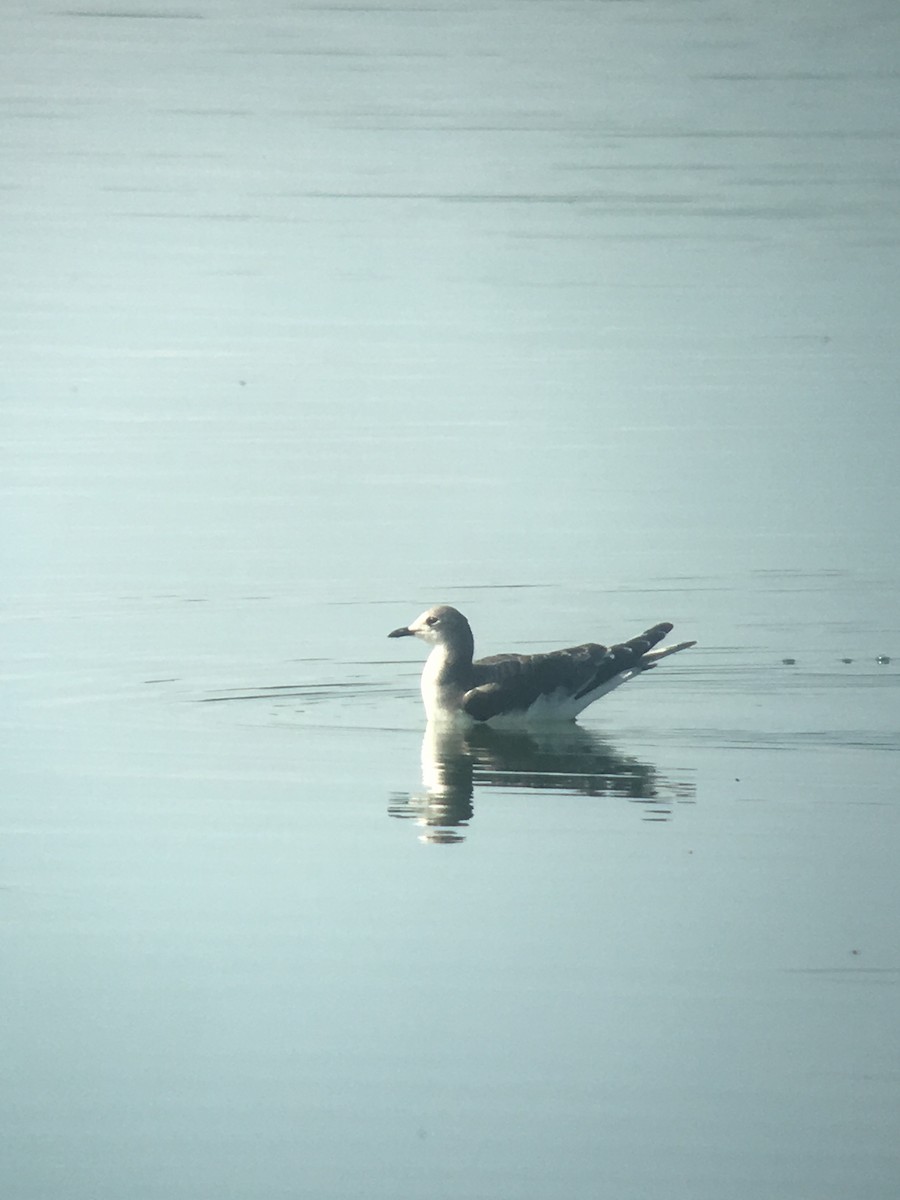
(579, 317)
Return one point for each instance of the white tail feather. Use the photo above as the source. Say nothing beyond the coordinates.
(653, 656)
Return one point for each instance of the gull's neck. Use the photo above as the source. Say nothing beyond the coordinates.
(446, 678)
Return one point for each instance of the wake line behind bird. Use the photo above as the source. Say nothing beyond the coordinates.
(555, 686)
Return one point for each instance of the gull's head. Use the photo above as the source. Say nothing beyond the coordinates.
(441, 625)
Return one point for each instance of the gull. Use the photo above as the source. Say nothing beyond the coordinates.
(555, 686)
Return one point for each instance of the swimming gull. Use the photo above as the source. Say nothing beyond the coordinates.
(555, 686)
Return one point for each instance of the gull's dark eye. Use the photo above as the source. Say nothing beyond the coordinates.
(431, 620)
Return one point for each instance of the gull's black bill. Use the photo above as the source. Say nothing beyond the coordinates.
(402, 632)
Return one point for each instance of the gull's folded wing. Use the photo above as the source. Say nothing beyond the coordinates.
(507, 684)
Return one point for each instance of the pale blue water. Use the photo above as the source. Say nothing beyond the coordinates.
(579, 317)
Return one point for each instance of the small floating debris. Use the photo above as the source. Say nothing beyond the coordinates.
(847, 660)
(789, 662)
(883, 659)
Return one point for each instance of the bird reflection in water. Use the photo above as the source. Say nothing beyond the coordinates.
(572, 759)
